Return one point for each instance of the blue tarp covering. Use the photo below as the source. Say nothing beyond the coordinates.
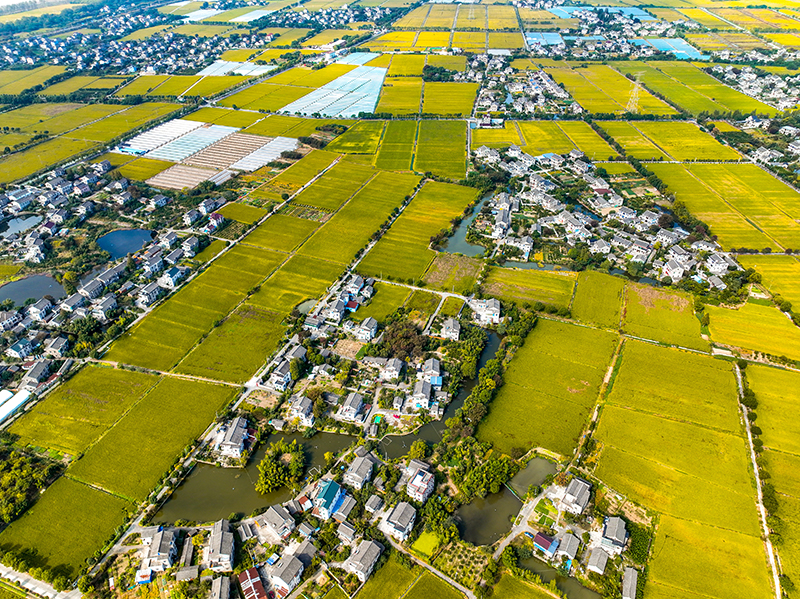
(565, 12)
(680, 48)
(544, 38)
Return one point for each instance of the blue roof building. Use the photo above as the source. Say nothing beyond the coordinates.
(329, 499)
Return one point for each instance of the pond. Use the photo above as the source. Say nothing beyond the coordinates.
(484, 521)
(569, 586)
(35, 286)
(18, 225)
(457, 242)
(210, 493)
(534, 473)
(394, 447)
(123, 242)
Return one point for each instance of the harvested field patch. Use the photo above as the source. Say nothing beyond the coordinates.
(664, 316)
(453, 273)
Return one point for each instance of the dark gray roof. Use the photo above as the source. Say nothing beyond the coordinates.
(615, 530)
(402, 515)
(221, 588)
(287, 568)
(598, 559)
(364, 557)
(374, 503)
(569, 545)
(629, 581)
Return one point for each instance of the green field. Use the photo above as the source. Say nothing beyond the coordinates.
(672, 89)
(281, 232)
(529, 286)
(335, 187)
(265, 96)
(301, 172)
(708, 86)
(387, 299)
(301, 278)
(600, 89)
(553, 381)
(406, 65)
(390, 582)
(361, 138)
(755, 328)
(685, 141)
(426, 544)
(77, 412)
(429, 212)
(397, 148)
(161, 339)
(778, 393)
(442, 148)
(631, 139)
(67, 525)
(400, 95)
(423, 302)
(43, 156)
(544, 136)
(242, 213)
(598, 299)
(142, 169)
(780, 274)
(514, 588)
(453, 99)
(351, 228)
(222, 116)
(497, 138)
(664, 316)
(451, 307)
(133, 456)
(674, 444)
(13, 82)
(219, 356)
(210, 251)
(290, 126)
(428, 586)
(587, 140)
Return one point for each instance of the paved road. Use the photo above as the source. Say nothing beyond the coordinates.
(37, 586)
(520, 526)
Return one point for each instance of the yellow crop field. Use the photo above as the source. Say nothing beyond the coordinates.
(469, 40)
(394, 40)
(706, 18)
(432, 39)
(502, 17)
(780, 274)
(416, 18)
(544, 136)
(400, 95)
(497, 138)
(755, 328)
(37, 12)
(471, 16)
(507, 41)
(441, 16)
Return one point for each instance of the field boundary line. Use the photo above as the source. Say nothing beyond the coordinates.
(100, 489)
(762, 512)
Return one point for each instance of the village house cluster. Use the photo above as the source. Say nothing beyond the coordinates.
(601, 221)
(574, 542)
